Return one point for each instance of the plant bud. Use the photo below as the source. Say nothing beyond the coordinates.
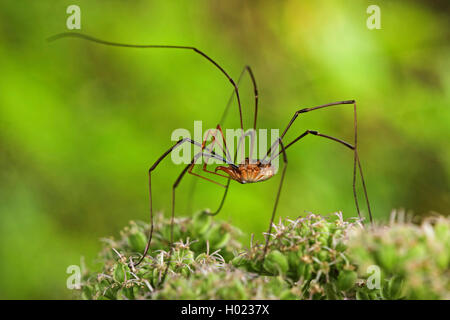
(201, 223)
(387, 255)
(346, 280)
(276, 263)
(137, 241)
(120, 271)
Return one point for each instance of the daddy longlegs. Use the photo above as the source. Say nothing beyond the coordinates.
(247, 171)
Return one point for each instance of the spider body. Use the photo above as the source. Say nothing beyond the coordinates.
(249, 172)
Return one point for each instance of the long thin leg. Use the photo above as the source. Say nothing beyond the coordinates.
(191, 166)
(109, 43)
(222, 146)
(226, 153)
(233, 83)
(252, 134)
(224, 195)
(222, 120)
(283, 151)
(255, 91)
(356, 161)
(311, 109)
(356, 156)
(175, 185)
(172, 220)
(316, 108)
(221, 202)
(153, 167)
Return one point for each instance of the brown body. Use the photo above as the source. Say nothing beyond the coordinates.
(249, 172)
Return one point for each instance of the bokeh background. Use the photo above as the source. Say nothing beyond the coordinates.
(81, 123)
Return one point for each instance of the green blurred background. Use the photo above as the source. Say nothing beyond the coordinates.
(81, 123)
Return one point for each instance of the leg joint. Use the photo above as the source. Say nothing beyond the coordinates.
(301, 111)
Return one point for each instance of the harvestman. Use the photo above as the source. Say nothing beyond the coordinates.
(246, 171)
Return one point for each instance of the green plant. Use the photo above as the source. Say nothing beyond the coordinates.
(413, 260)
(313, 257)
